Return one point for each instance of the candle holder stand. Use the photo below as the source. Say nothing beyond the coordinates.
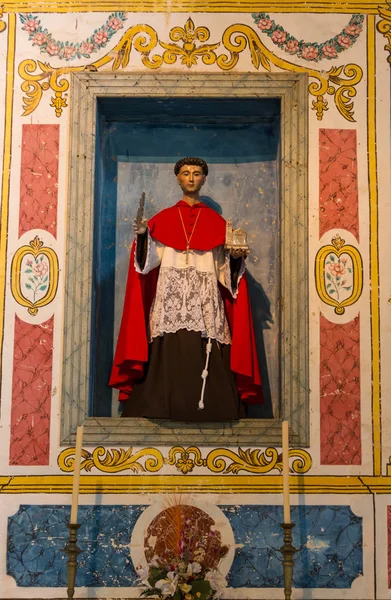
(288, 551)
(72, 550)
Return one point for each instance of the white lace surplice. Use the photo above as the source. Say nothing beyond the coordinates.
(187, 293)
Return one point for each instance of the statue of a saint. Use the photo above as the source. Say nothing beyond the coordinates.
(186, 347)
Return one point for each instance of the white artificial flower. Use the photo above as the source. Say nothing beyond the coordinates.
(217, 581)
(142, 573)
(168, 586)
(195, 567)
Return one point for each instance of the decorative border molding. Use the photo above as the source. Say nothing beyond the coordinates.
(338, 248)
(207, 484)
(36, 249)
(86, 88)
(188, 6)
(339, 82)
(252, 461)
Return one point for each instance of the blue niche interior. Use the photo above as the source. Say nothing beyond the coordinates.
(138, 142)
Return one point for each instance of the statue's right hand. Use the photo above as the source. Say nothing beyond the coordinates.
(139, 229)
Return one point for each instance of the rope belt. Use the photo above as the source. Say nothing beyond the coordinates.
(205, 373)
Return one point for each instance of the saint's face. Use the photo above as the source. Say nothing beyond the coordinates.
(191, 178)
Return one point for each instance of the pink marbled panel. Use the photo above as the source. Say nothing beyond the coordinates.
(340, 409)
(31, 393)
(338, 187)
(39, 178)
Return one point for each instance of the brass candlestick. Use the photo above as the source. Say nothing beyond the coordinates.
(288, 551)
(72, 550)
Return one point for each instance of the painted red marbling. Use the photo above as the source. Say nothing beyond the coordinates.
(39, 178)
(338, 186)
(340, 409)
(31, 393)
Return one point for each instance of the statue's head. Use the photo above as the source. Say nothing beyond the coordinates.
(191, 174)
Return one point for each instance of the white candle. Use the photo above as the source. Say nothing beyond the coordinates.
(76, 474)
(285, 471)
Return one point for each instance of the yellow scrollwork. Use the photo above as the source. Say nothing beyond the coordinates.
(337, 248)
(113, 461)
(49, 281)
(185, 463)
(185, 460)
(3, 25)
(189, 53)
(338, 82)
(256, 461)
(384, 27)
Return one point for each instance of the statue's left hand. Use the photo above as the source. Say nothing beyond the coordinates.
(239, 252)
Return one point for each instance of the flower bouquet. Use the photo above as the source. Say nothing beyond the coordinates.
(186, 567)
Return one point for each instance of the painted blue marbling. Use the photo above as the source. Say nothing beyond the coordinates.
(328, 539)
(37, 536)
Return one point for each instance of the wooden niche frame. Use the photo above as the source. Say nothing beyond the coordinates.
(86, 88)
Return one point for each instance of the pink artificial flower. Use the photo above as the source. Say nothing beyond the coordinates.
(336, 269)
(39, 39)
(292, 46)
(344, 41)
(52, 48)
(115, 23)
(68, 51)
(310, 52)
(31, 25)
(329, 50)
(352, 30)
(86, 47)
(278, 37)
(265, 24)
(101, 37)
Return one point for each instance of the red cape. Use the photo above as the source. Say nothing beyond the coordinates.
(132, 346)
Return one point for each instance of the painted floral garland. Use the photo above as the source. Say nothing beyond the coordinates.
(311, 51)
(68, 50)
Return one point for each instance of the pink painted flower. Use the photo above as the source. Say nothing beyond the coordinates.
(31, 25)
(115, 24)
(352, 30)
(344, 259)
(265, 24)
(329, 50)
(344, 41)
(292, 46)
(39, 39)
(68, 51)
(52, 48)
(41, 268)
(310, 53)
(86, 47)
(101, 37)
(278, 37)
(336, 269)
(29, 262)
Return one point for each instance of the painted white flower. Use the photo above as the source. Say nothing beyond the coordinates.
(168, 586)
(217, 582)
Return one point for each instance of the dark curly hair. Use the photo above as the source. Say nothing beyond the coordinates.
(191, 160)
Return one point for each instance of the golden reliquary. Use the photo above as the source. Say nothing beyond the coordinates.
(235, 238)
